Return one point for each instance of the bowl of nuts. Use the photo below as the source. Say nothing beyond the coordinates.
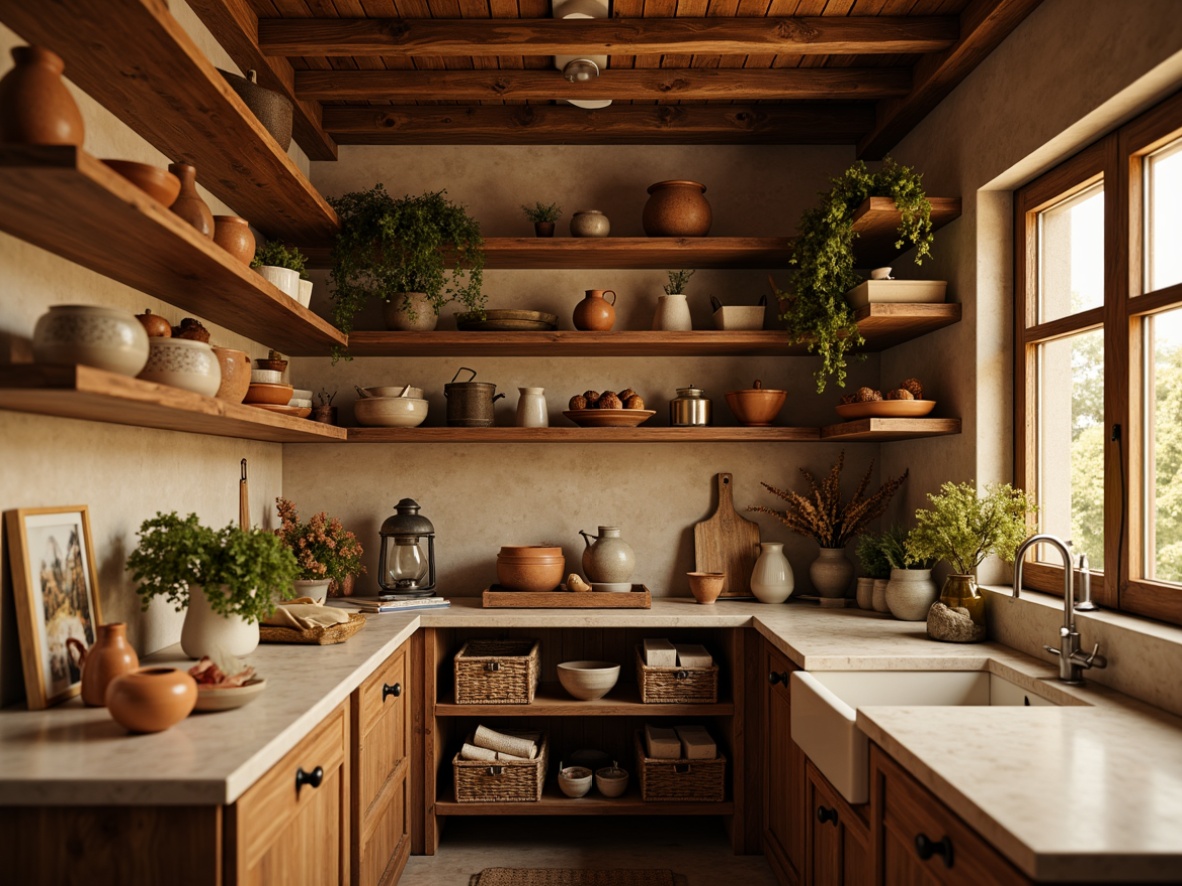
(905, 401)
(609, 409)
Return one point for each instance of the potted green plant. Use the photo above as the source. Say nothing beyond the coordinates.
(909, 590)
(823, 516)
(876, 567)
(963, 528)
(280, 265)
(543, 215)
(328, 554)
(673, 311)
(814, 308)
(226, 580)
(415, 254)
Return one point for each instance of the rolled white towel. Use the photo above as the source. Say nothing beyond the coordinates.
(471, 752)
(506, 744)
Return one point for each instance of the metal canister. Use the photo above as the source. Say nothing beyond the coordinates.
(470, 403)
(690, 409)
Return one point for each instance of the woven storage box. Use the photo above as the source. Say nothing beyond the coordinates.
(676, 685)
(497, 672)
(676, 781)
(504, 782)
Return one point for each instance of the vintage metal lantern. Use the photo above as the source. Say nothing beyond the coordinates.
(407, 561)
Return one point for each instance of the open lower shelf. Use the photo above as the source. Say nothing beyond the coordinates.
(95, 395)
(65, 201)
(551, 700)
(554, 802)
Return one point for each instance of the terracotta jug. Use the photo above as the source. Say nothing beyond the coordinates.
(189, 206)
(36, 108)
(595, 313)
(233, 234)
(109, 657)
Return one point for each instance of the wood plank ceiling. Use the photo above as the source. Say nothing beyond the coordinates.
(860, 72)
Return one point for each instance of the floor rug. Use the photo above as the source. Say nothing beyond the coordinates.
(573, 877)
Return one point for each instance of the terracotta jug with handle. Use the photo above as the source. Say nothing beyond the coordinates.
(111, 656)
(595, 313)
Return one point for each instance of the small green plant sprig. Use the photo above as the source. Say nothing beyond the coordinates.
(541, 213)
(175, 555)
(278, 255)
(964, 528)
(814, 309)
(678, 281)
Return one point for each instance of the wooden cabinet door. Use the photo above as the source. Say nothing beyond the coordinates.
(292, 826)
(783, 825)
(381, 773)
(837, 836)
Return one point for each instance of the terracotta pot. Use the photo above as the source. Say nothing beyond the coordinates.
(151, 699)
(36, 107)
(409, 312)
(342, 588)
(189, 206)
(530, 575)
(706, 586)
(235, 374)
(233, 234)
(543, 229)
(756, 407)
(595, 313)
(109, 657)
(677, 209)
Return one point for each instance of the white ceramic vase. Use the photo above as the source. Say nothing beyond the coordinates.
(316, 588)
(772, 580)
(206, 631)
(285, 280)
(831, 573)
(673, 313)
(420, 317)
(910, 594)
(531, 408)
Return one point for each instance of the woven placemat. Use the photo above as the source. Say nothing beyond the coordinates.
(574, 877)
(319, 636)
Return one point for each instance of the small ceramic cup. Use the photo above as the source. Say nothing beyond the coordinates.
(611, 781)
(575, 781)
(706, 586)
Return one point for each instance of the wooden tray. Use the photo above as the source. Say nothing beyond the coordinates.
(338, 633)
(639, 598)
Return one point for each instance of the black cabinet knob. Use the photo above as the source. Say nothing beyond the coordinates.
(778, 677)
(926, 847)
(388, 690)
(312, 779)
(827, 814)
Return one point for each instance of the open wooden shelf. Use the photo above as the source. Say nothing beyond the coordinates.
(134, 58)
(554, 802)
(885, 430)
(881, 325)
(551, 700)
(584, 435)
(91, 394)
(64, 200)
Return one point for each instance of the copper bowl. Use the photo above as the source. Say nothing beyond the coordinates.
(275, 395)
(543, 572)
(159, 184)
(756, 407)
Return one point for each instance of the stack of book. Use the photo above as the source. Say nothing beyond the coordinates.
(387, 603)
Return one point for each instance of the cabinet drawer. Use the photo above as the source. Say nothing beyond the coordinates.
(382, 729)
(916, 824)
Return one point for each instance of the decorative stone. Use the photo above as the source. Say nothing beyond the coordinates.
(953, 625)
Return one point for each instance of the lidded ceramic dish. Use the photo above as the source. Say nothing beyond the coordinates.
(183, 363)
(105, 338)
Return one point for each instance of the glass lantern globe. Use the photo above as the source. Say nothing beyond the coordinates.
(406, 564)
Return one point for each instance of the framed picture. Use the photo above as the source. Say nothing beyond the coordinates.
(55, 584)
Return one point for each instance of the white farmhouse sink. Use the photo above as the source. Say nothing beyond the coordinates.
(824, 703)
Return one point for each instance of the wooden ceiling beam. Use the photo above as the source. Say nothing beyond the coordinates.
(416, 38)
(804, 123)
(235, 25)
(984, 24)
(703, 84)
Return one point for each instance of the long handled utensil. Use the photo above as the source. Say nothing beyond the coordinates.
(243, 501)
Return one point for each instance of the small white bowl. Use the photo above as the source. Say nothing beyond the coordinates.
(301, 394)
(299, 403)
(575, 781)
(266, 377)
(611, 781)
(390, 412)
(588, 680)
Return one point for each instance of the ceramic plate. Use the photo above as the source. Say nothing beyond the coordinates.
(506, 321)
(609, 418)
(297, 411)
(887, 409)
(211, 698)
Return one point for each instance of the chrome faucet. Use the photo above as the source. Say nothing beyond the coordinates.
(1072, 662)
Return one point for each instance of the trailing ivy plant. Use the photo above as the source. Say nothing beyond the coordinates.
(814, 309)
(386, 248)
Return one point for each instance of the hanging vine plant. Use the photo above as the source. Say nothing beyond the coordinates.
(814, 309)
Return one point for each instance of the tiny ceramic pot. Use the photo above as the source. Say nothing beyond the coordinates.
(234, 235)
(611, 781)
(677, 209)
(706, 586)
(109, 657)
(105, 338)
(151, 699)
(236, 372)
(183, 363)
(36, 108)
(590, 223)
(575, 781)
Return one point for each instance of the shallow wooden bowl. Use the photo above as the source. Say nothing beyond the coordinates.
(159, 184)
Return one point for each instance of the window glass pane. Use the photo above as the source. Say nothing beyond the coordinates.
(1163, 186)
(1163, 446)
(1070, 419)
(1071, 255)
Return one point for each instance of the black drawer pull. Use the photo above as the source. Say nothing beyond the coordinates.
(312, 779)
(388, 690)
(926, 847)
(778, 677)
(827, 814)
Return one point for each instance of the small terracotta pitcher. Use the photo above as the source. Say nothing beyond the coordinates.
(111, 656)
(595, 313)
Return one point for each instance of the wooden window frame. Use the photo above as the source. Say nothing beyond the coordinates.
(1117, 159)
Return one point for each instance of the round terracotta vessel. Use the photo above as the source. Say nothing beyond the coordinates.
(757, 406)
(36, 108)
(595, 313)
(233, 234)
(706, 586)
(189, 206)
(235, 374)
(151, 699)
(677, 209)
(530, 567)
(111, 656)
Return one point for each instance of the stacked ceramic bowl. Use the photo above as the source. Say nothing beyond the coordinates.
(530, 567)
(382, 407)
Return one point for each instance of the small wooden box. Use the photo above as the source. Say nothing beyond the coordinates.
(497, 671)
(680, 781)
(676, 685)
(507, 781)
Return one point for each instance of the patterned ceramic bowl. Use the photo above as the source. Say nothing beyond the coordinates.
(183, 363)
(105, 338)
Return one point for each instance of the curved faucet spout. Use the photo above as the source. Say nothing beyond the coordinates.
(1068, 571)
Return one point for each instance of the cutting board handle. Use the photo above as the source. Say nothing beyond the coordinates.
(726, 500)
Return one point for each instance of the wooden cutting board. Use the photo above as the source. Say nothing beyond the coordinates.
(726, 542)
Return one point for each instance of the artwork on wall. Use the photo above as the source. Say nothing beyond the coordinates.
(55, 585)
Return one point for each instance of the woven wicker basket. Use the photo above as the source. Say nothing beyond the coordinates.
(676, 685)
(497, 671)
(676, 781)
(505, 782)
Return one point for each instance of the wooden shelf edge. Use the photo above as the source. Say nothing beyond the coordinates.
(886, 430)
(584, 435)
(629, 804)
(551, 700)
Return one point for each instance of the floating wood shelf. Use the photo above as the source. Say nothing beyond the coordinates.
(553, 802)
(885, 430)
(95, 395)
(134, 58)
(882, 326)
(63, 200)
(551, 700)
(583, 435)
